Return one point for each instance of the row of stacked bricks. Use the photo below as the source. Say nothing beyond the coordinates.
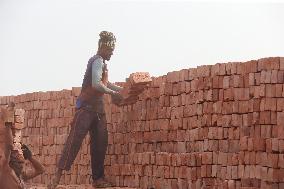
(216, 126)
(46, 126)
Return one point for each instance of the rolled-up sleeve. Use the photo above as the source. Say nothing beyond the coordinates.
(97, 72)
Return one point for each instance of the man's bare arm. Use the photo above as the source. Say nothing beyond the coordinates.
(37, 169)
(114, 87)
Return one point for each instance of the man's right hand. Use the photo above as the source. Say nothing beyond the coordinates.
(117, 98)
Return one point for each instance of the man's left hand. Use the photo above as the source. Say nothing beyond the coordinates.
(26, 152)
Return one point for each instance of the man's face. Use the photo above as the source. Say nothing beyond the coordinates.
(107, 52)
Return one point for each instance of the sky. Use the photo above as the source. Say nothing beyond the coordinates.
(45, 44)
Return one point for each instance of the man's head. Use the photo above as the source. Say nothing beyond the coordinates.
(106, 45)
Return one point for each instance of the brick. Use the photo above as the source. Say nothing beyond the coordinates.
(215, 69)
(265, 76)
(281, 146)
(280, 118)
(238, 81)
(270, 90)
(215, 82)
(192, 74)
(203, 71)
(280, 76)
(280, 104)
(241, 93)
(272, 160)
(207, 158)
(183, 75)
(281, 61)
(269, 63)
(244, 143)
(279, 90)
(222, 158)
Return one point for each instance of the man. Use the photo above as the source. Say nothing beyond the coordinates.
(17, 162)
(90, 115)
(8, 178)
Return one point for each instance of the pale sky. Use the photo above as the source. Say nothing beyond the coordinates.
(45, 44)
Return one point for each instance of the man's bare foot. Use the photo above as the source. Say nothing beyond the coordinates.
(56, 179)
(54, 184)
(102, 183)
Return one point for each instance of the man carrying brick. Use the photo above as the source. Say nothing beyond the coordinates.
(90, 115)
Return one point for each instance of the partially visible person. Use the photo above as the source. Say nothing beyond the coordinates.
(17, 163)
(8, 178)
(12, 161)
(19, 155)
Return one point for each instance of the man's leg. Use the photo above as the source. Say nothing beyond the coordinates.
(79, 128)
(98, 147)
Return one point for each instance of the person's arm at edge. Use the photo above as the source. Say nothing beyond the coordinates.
(37, 169)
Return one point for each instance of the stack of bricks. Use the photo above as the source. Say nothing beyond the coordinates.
(15, 119)
(215, 126)
(135, 84)
(46, 127)
(218, 126)
(17, 130)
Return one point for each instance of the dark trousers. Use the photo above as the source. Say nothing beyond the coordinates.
(86, 120)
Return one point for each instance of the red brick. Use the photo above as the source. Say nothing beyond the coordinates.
(228, 94)
(203, 71)
(281, 146)
(259, 144)
(244, 143)
(251, 77)
(215, 82)
(280, 118)
(265, 117)
(241, 93)
(275, 144)
(183, 74)
(281, 62)
(265, 76)
(241, 170)
(274, 76)
(243, 106)
(278, 91)
(222, 158)
(269, 63)
(215, 69)
(173, 77)
(222, 69)
(269, 145)
(272, 160)
(207, 158)
(238, 81)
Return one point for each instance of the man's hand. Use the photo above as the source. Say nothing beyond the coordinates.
(26, 152)
(116, 98)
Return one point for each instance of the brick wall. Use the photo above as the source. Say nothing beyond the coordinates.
(217, 126)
